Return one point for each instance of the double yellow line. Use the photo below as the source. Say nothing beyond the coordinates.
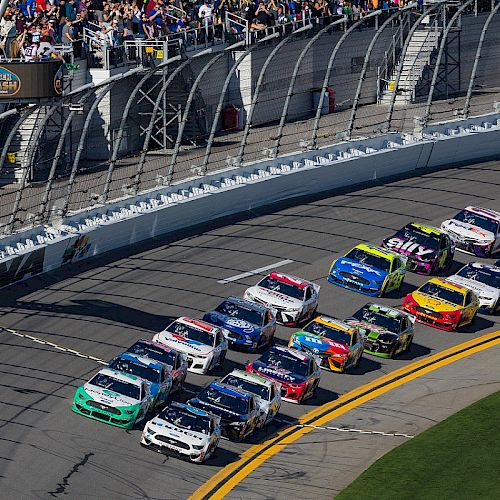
(219, 485)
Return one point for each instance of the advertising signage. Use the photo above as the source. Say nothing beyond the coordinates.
(30, 80)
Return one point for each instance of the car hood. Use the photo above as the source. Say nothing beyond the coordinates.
(408, 247)
(225, 413)
(467, 230)
(366, 328)
(168, 429)
(187, 346)
(108, 397)
(232, 324)
(279, 374)
(317, 344)
(275, 299)
(433, 304)
(480, 288)
(359, 269)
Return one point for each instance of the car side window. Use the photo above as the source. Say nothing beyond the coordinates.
(443, 243)
(396, 264)
(251, 404)
(142, 392)
(273, 392)
(308, 293)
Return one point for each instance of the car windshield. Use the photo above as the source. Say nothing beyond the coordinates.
(409, 233)
(186, 420)
(190, 332)
(232, 402)
(281, 287)
(127, 366)
(149, 351)
(477, 220)
(285, 361)
(443, 293)
(483, 276)
(364, 257)
(238, 311)
(119, 386)
(329, 332)
(378, 319)
(253, 387)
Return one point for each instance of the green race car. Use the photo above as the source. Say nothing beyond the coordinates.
(115, 398)
(387, 331)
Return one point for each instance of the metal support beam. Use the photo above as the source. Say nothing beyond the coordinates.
(472, 78)
(331, 60)
(185, 115)
(362, 76)
(286, 106)
(255, 96)
(438, 61)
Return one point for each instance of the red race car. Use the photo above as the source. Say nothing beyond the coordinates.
(297, 372)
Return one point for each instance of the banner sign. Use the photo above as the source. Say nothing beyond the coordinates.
(31, 80)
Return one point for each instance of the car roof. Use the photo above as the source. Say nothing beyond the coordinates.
(122, 376)
(425, 228)
(142, 360)
(487, 212)
(232, 391)
(386, 310)
(252, 377)
(156, 345)
(197, 324)
(246, 303)
(449, 285)
(334, 322)
(375, 250)
(301, 356)
(195, 411)
(289, 279)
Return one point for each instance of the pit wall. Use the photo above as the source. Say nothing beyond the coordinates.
(200, 200)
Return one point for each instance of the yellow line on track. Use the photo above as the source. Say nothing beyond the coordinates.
(221, 483)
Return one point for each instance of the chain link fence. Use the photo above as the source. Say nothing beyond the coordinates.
(324, 83)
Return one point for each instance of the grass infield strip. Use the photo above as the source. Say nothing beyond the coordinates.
(458, 458)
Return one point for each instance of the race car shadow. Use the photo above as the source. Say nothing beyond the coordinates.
(416, 351)
(477, 325)
(405, 290)
(222, 456)
(366, 365)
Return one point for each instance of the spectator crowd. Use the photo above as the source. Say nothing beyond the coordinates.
(42, 29)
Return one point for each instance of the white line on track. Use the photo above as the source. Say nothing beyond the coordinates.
(256, 271)
(359, 431)
(55, 346)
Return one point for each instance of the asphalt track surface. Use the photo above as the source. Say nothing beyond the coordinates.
(100, 307)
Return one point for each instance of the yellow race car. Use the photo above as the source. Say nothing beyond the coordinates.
(336, 345)
(442, 304)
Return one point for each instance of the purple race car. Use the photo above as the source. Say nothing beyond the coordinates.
(429, 250)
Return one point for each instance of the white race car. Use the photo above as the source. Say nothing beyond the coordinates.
(183, 430)
(267, 392)
(294, 299)
(204, 344)
(475, 230)
(483, 279)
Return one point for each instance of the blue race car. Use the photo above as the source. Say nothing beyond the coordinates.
(157, 374)
(250, 325)
(237, 409)
(369, 270)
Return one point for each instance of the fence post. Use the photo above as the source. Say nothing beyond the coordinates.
(438, 61)
(255, 96)
(362, 76)
(472, 78)
(303, 53)
(329, 70)
(185, 115)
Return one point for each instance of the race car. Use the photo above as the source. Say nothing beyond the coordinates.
(250, 325)
(236, 408)
(428, 250)
(267, 392)
(369, 270)
(442, 304)
(205, 345)
(158, 374)
(386, 331)
(294, 299)
(184, 431)
(297, 372)
(176, 360)
(475, 230)
(115, 398)
(336, 345)
(484, 280)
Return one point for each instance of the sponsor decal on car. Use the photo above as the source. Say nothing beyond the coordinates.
(408, 246)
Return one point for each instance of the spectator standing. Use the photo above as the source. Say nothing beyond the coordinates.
(67, 33)
(205, 13)
(71, 10)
